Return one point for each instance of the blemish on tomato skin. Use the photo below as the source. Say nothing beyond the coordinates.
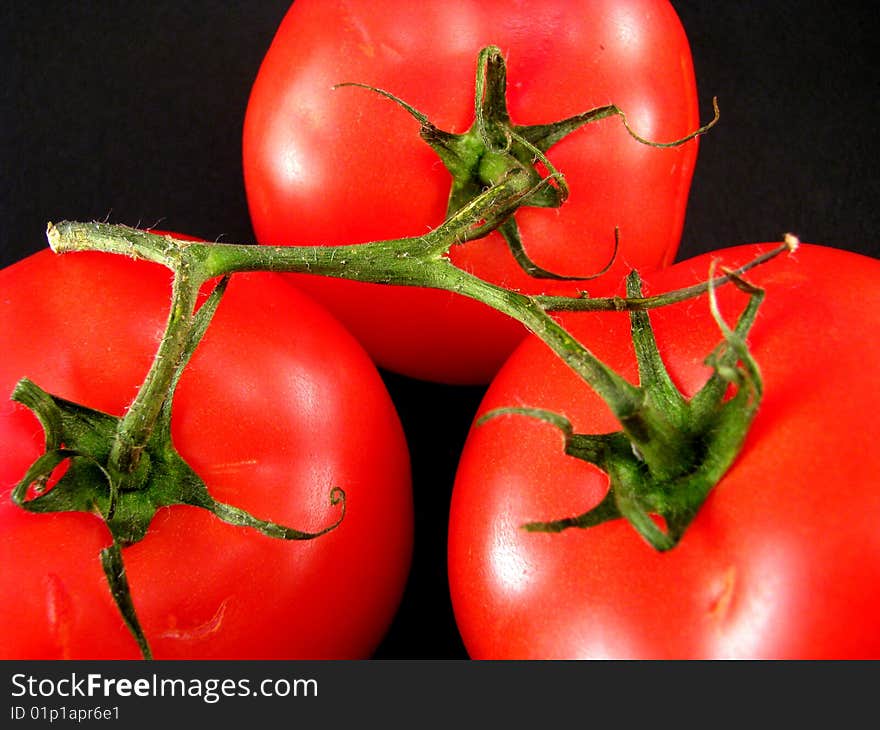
(59, 615)
(232, 467)
(719, 606)
(211, 626)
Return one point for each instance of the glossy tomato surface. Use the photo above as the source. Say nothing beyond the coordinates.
(782, 561)
(338, 166)
(278, 405)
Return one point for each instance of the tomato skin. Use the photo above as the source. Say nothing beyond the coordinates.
(783, 560)
(270, 417)
(325, 166)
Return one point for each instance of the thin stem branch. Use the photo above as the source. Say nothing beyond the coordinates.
(552, 303)
(139, 421)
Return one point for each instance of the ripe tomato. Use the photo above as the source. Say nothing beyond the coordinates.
(325, 166)
(782, 561)
(270, 417)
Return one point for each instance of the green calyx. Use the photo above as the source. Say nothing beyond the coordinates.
(82, 438)
(494, 147)
(92, 445)
(673, 450)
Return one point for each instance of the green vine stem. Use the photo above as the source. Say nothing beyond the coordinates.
(417, 261)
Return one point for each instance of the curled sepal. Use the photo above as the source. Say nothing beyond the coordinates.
(239, 517)
(79, 436)
(671, 450)
(509, 231)
(83, 437)
(73, 491)
(732, 361)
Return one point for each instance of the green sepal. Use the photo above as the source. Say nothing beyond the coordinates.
(114, 571)
(494, 147)
(674, 450)
(88, 486)
(84, 439)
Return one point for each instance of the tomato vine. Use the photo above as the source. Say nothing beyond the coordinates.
(114, 462)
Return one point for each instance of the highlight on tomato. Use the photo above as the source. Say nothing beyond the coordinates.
(330, 164)
(781, 561)
(279, 411)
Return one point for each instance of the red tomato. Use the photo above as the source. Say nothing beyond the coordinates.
(270, 417)
(782, 561)
(325, 166)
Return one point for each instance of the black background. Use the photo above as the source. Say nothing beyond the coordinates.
(132, 111)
